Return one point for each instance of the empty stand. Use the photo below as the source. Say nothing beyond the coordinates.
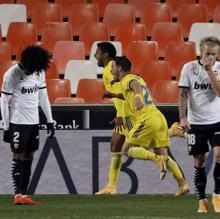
(6, 1)
(141, 51)
(67, 50)
(69, 100)
(78, 69)
(125, 33)
(21, 34)
(79, 14)
(201, 30)
(189, 14)
(5, 51)
(153, 13)
(154, 70)
(46, 12)
(91, 32)
(58, 88)
(11, 13)
(166, 92)
(90, 89)
(54, 32)
(216, 16)
(52, 72)
(210, 7)
(164, 32)
(116, 14)
(178, 53)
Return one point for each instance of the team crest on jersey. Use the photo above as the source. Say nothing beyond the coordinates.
(37, 77)
(16, 146)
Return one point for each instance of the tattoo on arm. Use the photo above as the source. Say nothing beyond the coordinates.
(183, 96)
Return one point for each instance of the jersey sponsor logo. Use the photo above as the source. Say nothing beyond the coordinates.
(202, 86)
(29, 90)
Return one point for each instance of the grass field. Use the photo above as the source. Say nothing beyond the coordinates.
(106, 207)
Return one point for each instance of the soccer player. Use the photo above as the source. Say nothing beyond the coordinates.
(200, 90)
(146, 154)
(24, 88)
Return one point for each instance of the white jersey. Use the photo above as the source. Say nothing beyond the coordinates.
(25, 94)
(204, 104)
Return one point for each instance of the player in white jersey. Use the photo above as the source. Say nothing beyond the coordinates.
(24, 88)
(199, 85)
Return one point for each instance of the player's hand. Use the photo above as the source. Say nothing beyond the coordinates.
(108, 94)
(119, 123)
(185, 124)
(138, 101)
(6, 136)
(50, 130)
(208, 63)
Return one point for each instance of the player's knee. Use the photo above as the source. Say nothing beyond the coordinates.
(18, 156)
(29, 156)
(199, 160)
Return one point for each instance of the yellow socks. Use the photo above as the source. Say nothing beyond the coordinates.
(115, 167)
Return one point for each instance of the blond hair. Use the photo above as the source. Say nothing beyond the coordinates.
(210, 41)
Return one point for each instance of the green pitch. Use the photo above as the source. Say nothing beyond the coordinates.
(105, 207)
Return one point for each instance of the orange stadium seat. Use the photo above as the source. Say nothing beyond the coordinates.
(0, 33)
(154, 70)
(216, 16)
(67, 50)
(30, 4)
(89, 89)
(52, 72)
(140, 51)
(46, 12)
(103, 3)
(21, 34)
(210, 7)
(6, 1)
(125, 33)
(58, 88)
(166, 92)
(116, 14)
(66, 4)
(54, 32)
(91, 32)
(5, 51)
(68, 100)
(163, 32)
(81, 13)
(101, 100)
(153, 13)
(175, 4)
(178, 53)
(189, 14)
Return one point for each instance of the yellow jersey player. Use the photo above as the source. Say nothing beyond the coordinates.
(150, 129)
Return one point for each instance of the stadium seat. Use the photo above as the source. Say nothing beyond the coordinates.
(67, 50)
(46, 12)
(178, 53)
(91, 32)
(11, 13)
(89, 89)
(6, 1)
(125, 33)
(116, 14)
(163, 32)
(140, 51)
(153, 13)
(29, 5)
(69, 100)
(210, 7)
(0, 33)
(166, 92)
(66, 4)
(58, 88)
(189, 14)
(154, 70)
(175, 4)
(81, 13)
(102, 100)
(103, 3)
(216, 16)
(5, 51)
(138, 5)
(201, 30)
(78, 69)
(52, 72)
(21, 34)
(54, 32)
(92, 58)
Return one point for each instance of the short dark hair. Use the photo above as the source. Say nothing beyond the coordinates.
(107, 47)
(35, 58)
(123, 62)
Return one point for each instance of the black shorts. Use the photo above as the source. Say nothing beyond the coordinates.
(24, 138)
(199, 137)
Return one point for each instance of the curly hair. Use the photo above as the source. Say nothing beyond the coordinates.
(35, 59)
